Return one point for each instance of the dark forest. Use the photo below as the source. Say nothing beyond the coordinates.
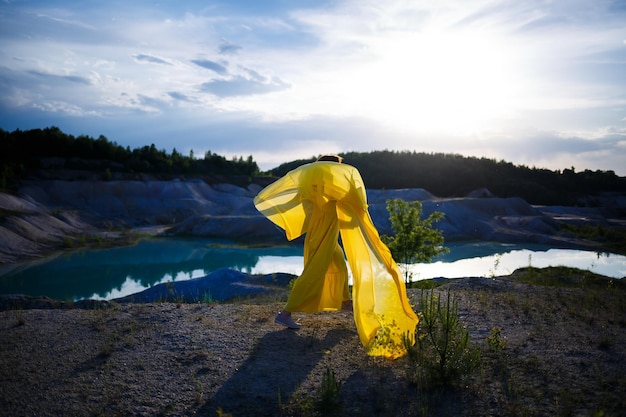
(25, 153)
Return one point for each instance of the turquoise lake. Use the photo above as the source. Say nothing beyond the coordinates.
(117, 272)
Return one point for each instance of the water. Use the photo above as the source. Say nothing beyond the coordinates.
(112, 273)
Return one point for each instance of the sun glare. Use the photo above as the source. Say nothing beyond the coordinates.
(447, 83)
(437, 81)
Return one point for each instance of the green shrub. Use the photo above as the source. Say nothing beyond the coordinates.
(442, 354)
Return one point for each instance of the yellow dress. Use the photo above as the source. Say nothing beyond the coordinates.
(325, 200)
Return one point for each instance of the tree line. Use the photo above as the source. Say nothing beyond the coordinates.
(453, 175)
(444, 175)
(23, 152)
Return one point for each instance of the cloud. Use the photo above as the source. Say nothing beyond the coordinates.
(149, 102)
(227, 48)
(53, 77)
(63, 107)
(549, 149)
(66, 21)
(211, 65)
(179, 96)
(151, 59)
(252, 83)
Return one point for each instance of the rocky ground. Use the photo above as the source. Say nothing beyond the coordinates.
(562, 352)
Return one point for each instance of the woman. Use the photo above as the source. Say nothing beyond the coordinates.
(325, 200)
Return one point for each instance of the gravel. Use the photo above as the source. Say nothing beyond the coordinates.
(564, 354)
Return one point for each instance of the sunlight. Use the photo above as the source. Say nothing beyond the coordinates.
(451, 83)
(442, 80)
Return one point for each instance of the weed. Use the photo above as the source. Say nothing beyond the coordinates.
(495, 341)
(442, 354)
(496, 265)
(328, 403)
(198, 391)
(312, 338)
(207, 297)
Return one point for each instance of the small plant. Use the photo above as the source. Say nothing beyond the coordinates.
(496, 265)
(207, 297)
(495, 341)
(313, 337)
(442, 354)
(328, 403)
(198, 392)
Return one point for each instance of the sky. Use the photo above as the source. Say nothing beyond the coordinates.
(540, 83)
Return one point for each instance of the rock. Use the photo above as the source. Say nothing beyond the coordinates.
(29, 230)
(221, 285)
(243, 228)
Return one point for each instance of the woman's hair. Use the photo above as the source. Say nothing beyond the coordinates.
(331, 158)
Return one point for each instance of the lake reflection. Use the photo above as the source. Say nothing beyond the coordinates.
(117, 272)
(486, 259)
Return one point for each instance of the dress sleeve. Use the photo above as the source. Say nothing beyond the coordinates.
(281, 203)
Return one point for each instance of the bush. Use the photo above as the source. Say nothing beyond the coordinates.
(442, 354)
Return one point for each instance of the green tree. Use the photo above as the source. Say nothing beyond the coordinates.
(415, 239)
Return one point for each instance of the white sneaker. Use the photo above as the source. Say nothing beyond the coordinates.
(286, 321)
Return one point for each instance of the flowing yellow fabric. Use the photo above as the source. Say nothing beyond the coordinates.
(324, 200)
